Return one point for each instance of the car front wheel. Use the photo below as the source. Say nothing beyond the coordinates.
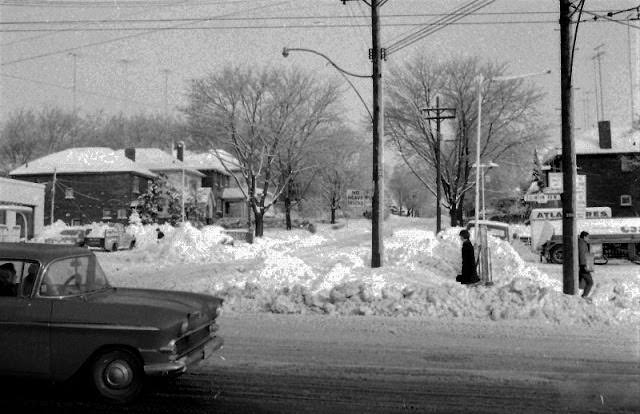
(118, 375)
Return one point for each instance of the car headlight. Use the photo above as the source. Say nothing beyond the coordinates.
(170, 348)
(184, 327)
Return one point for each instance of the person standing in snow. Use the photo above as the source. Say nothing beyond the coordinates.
(160, 234)
(469, 273)
(585, 260)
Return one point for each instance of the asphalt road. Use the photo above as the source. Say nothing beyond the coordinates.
(320, 364)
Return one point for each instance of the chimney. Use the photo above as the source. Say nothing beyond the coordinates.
(180, 148)
(604, 134)
(130, 153)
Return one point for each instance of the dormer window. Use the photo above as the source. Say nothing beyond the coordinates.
(625, 200)
(68, 193)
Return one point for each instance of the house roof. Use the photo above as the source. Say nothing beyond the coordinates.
(81, 160)
(155, 159)
(232, 193)
(210, 161)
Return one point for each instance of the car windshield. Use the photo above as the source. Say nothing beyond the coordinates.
(76, 275)
(69, 232)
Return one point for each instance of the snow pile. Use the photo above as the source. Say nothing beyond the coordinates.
(328, 272)
(50, 231)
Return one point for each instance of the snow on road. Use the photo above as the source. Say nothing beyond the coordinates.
(328, 272)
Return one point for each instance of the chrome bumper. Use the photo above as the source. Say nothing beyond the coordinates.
(180, 366)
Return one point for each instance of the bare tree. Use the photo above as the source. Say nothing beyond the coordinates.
(263, 118)
(509, 126)
(345, 163)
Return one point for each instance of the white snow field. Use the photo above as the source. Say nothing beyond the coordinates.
(328, 272)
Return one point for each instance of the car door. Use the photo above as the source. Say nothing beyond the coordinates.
(24, 332)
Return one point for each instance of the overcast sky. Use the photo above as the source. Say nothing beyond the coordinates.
(125, 70)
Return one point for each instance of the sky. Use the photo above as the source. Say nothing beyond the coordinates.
(145, 66)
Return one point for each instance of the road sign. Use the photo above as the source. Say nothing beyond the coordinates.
(581, 196)
(358, 198)
(541, 198)
(554, 183)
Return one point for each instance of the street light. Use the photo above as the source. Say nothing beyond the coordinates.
(480, 79)
(485, 168)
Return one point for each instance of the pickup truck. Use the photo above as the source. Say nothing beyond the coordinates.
(111, 237)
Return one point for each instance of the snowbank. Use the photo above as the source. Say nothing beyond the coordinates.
(328, 272)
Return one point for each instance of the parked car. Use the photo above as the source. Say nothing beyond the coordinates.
(72, 236)
(111, 237)
(59, 316)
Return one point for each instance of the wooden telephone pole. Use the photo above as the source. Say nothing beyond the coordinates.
(569, 230)
(439, 114)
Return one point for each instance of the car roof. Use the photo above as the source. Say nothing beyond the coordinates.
(42, 252)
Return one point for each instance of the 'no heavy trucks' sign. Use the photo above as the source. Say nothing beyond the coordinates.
(358, 198)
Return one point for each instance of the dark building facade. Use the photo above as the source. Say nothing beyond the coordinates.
(612, 174)
(83, 198)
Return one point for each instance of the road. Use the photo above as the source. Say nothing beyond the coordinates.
(322, 364)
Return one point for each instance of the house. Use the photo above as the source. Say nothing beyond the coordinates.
(612, 170)
(179, 175)
(86, 184)
(21, 209)
(219, 179)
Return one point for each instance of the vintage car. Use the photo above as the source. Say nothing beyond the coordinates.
(111, 237)
(73, 236)
(59, 317)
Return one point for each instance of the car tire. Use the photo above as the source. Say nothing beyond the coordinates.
(117, 376)
(557, 255)
(114, 247)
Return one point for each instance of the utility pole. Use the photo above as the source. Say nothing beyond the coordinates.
(75, 66)
(439, 114)
(569, 231)
(377, 55)
(631, 89)
(53, 193)
(597, 61)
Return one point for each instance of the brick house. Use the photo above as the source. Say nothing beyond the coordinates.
(177, 172)
(612, 169)
(219, 179)
(91, 184)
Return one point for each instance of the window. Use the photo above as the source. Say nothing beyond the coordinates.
(17, 277)
(625, 200)
(136, 185)
(122, 213)
(76, 222)
(68, 193)
(72, 276)
(106, 214)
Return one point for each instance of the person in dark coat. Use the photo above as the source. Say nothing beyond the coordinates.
(7, 279)
(584, 275)
(160, 234)
(469, 273)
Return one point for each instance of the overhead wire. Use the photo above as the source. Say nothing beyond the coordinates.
(466, 10)
(146, 32)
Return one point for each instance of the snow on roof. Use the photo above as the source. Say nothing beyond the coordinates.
(155, 159)
(210, 161)
(622, 141)
(232, 193)
(81, 160)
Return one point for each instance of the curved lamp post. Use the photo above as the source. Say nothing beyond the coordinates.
(343, 72)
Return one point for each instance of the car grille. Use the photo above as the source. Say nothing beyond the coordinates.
(191, 341)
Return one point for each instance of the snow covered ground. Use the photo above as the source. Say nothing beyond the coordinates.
(328, 272)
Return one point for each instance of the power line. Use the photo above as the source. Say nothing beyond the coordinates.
(460, 13)
(103, 42)
(300, 26)
(105, 4)
(218, 18)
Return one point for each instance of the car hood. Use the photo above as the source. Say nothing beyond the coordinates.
(140, 307)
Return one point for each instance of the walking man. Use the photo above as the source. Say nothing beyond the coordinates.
(585, 260)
